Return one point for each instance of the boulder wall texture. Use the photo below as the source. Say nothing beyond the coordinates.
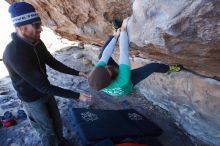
(172, 31)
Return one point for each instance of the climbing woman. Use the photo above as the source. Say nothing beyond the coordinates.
(119, 80)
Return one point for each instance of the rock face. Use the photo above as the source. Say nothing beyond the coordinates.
(84, 20)
(171, 31)
(193, 102)
(180, 31)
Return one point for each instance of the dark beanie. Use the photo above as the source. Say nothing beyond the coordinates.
(99, 78)
(23, 13)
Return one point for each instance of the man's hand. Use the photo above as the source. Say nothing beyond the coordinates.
(83, 74)
(85, 97)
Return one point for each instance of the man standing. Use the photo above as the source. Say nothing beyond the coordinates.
(26, 57)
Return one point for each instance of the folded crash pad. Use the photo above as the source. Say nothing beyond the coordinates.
(93, 125)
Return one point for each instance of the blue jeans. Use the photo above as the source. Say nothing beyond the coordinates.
(139, 74)
(44, 117)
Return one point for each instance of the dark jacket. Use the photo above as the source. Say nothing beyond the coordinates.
(26, 64)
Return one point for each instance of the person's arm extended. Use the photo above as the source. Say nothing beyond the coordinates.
(57, 65)
(123, 45)
(26, 68)
(108, 50)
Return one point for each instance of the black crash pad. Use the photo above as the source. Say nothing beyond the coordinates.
(93, 125)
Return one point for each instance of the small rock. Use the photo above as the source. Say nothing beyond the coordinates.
(9, 140)
(27, 139)
(125, 104)
(67, 48)
(14, 144)
(81, 46)
(4, 92)
(86, 61)
(10, 105)
(92, 47)
(78, 56)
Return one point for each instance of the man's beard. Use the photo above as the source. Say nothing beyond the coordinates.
(36, 39)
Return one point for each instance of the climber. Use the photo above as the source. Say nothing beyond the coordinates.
(119, 80)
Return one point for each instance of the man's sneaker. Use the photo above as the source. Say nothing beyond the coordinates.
(175, 68)
(116, 24)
